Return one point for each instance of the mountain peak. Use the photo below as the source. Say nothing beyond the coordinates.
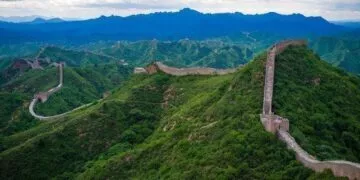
(189, 11)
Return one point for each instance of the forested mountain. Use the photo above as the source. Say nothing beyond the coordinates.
(193, 127)
(342, 50)
(86, 78)
(182, 53)
(321, 103)
(186, 23)
(75, 58)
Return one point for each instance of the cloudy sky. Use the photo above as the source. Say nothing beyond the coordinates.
(329, 9)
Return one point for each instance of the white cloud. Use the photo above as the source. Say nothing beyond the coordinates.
(330, 9)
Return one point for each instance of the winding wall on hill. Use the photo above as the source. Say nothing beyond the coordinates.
(280, 125)
(158, 66)
(43, 96)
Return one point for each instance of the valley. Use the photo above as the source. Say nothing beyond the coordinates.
(189, 116)
(179, 94)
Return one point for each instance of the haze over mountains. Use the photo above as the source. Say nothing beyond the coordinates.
(186, 23)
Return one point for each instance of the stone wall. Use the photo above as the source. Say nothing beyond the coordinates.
(339, 168)
(158, 66)
(276, 124)
(43, 96)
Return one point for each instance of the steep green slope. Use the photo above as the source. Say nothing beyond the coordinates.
(339, 51)
(81, 86)
(14, 113)
(212, 53)
(321, 102)
(160, 126)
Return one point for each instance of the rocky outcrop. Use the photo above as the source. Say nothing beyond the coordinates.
(279, 125)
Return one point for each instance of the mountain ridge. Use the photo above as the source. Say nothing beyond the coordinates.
(191, 127)
(186, 23)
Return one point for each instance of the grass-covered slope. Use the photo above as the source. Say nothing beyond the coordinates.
(61, 148)
(321, 102)
(160, 126)
(14, 113)
(81, 85)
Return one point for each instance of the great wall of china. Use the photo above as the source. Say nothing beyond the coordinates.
(158, 66)
(43, 96)
(271, 122)
(280, 126)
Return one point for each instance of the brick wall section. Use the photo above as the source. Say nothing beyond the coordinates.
(158, 66)
(339, 168)
(43, 96)
(279, 125)
(269, 81)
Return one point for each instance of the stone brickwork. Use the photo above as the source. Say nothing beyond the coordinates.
(276, 124)
(158, 66)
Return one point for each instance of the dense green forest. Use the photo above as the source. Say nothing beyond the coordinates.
(183, 53)
(161, 126)
(342, 50)
(321, 102)
(82, 84)
(75, 58)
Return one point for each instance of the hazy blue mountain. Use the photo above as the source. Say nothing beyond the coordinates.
(186, 23)
(349, 24)
(19, 19)
(42, 20)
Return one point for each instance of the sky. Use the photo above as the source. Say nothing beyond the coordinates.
(332, 10)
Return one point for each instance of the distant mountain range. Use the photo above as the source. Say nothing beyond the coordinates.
(349, 24)
(20, 19)
(186, 23)
(42, 20)
(28, 19)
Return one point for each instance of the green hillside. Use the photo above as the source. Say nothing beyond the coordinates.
(211, 53)
(193, 127)
(74, 58)
(321, 102)
(339, 51)
(81, 85)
